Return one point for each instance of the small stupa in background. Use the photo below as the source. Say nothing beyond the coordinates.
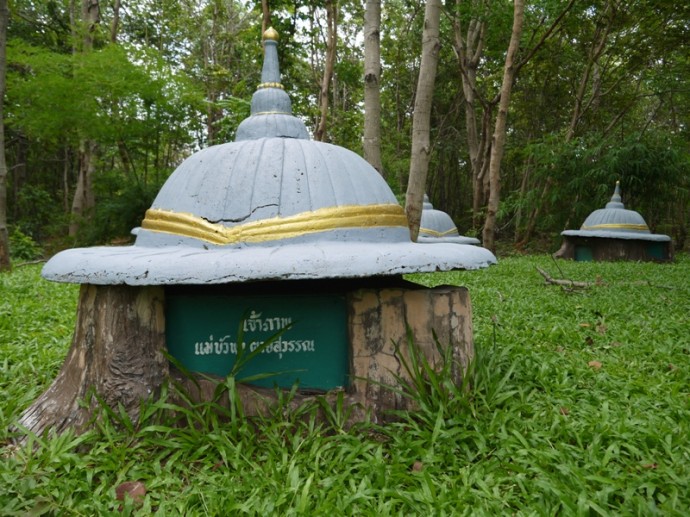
(437, 226)
(615, 233)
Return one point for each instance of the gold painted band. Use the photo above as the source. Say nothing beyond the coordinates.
(435, 233)
(620, 226)
(270, 85)
(321, 220)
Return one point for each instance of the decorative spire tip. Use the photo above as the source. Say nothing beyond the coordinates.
(270, 34)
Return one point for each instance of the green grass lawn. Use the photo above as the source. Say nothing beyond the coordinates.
(580, 405)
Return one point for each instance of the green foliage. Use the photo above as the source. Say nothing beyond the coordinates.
(653, 168)
(36, 324)
(38, 216)
(23, 247)
(99, 95)
(122, 207)
(577, 403)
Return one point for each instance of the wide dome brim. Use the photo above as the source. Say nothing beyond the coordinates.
(184, 265)
(607, 234)
(455, 239)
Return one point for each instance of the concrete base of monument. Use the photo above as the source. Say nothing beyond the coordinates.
(119, 349)
(599, 248)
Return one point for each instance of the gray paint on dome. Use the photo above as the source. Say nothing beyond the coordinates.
(270, 177)
(270, 70)
(134, 265)
(616, 200)
(277, 125)
(455, 239)
(615, 216)
(271, 101)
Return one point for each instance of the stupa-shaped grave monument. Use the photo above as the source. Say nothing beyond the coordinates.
(270, 233)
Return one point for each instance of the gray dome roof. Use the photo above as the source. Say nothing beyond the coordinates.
(437, 226)
(271, 205)
(615, 221)
(264, 180)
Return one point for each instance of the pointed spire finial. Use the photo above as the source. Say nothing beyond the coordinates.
(270, 73)
(271, 109)
(270, 34)
(616, 200)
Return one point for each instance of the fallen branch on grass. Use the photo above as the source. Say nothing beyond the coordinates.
(566, 283)
(30, 262)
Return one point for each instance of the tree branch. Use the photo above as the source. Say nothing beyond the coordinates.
(564, 282)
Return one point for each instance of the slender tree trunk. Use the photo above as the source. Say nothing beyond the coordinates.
(115, 24)
(213, 112)
(265, 16)
(523, 192)
(372, 92)
(19, 172)
(499, 137)
(329, 65)
(480, 176)
(65, 178)
(5, 264)
(601, 38)
(84, 198)
(469, 49)
(421, 121)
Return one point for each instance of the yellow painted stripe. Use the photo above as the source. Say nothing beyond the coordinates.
(321, 220)
(434, 233)
(620, 226)
(270, 85)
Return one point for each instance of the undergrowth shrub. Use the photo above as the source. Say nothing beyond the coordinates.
(23, 247)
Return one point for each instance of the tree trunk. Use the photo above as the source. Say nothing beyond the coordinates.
(499, 137)
(117, 352)
(329, 65)
(84, 198)
(469, 49)
(421, 121)
(5, 263)
(372, 92)
(211, 60)
(115, 24)
(19, 172)
(601, 37)
(66, 168)
(265, 16)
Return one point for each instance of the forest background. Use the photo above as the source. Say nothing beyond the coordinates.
(103, 99)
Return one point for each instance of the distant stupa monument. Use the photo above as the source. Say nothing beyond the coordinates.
(615, 233)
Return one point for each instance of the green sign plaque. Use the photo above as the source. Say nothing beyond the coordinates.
(202, 332)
